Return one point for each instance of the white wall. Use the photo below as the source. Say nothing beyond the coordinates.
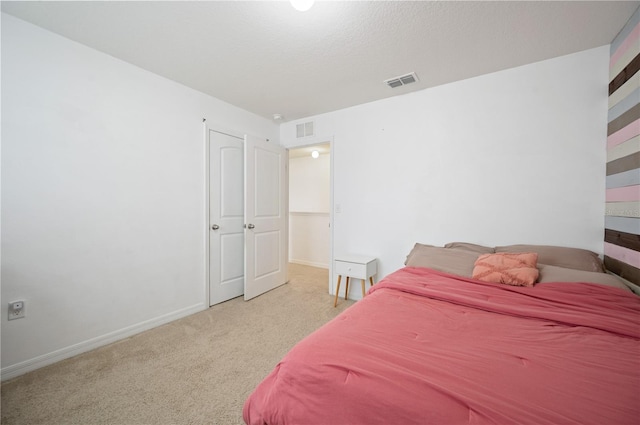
(309, 184)
(516, 156)
(309, 181)
(103, 195)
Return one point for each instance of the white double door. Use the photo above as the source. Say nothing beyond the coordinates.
(247, 216)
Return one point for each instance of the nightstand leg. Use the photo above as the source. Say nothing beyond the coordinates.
(371, 280)
(335, 302)
(346, 289)
(363, 288)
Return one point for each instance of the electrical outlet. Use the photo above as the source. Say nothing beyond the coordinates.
(16, 310)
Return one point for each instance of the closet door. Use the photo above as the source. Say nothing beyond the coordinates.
(226, 217)
(265, 209)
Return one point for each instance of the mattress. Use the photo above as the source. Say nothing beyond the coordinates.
(429, 347)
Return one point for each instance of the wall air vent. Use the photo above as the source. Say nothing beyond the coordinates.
(304, 130)
(402, 80)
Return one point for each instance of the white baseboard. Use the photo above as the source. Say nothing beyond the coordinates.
(21, 368)
(310, 263)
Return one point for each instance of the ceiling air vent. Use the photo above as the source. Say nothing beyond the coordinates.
(304, 130)
(402, 80)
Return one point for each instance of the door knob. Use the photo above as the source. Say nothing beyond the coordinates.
(250, 226)
(215, 227)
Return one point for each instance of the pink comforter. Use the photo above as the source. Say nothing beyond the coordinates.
(426, 347)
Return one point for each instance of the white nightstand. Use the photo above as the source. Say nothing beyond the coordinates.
(354, 266)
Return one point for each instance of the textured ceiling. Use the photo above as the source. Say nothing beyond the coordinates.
(267, 58)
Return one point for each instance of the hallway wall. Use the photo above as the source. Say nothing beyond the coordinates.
(309, 183)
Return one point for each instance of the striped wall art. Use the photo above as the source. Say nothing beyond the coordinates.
(622, 220)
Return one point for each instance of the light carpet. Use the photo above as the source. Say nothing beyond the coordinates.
(196, 370)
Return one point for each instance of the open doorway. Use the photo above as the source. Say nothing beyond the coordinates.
(310, 205)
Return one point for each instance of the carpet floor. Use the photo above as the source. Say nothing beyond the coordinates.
(196, 370)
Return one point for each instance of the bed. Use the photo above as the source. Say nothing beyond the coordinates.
(432, 343)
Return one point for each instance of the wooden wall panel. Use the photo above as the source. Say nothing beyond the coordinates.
(622, 225)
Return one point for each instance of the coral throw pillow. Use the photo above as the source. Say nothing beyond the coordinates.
(518, 269)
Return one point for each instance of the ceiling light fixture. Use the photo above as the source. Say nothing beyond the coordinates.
(301, 5)
(315, 154)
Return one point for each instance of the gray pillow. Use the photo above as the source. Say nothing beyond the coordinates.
(448, 260)
(481, 249)
(562, 274)
(560, 256)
